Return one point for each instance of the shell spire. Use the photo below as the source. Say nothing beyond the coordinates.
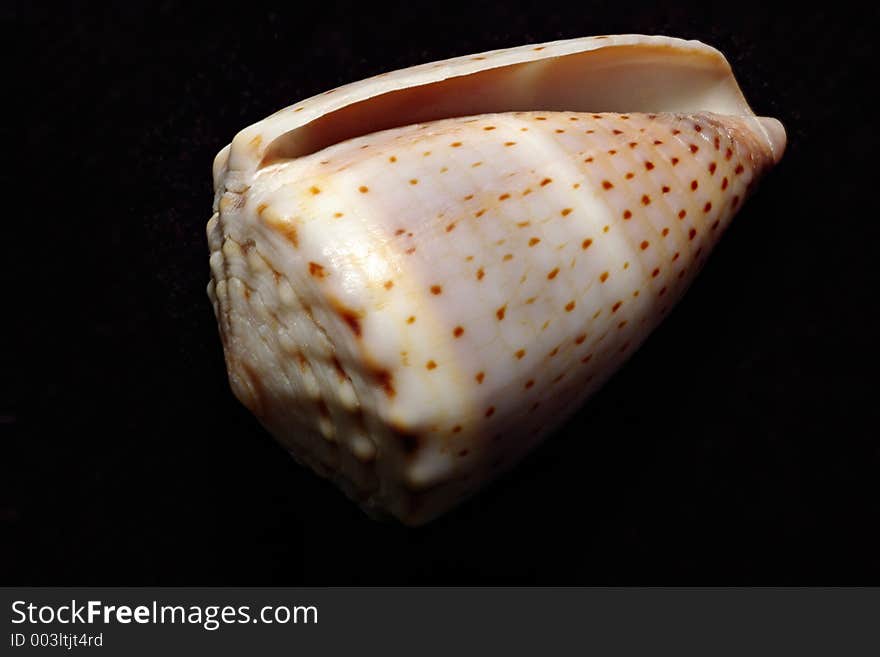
(416, 284)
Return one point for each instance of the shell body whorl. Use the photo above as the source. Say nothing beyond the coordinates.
(410, 310)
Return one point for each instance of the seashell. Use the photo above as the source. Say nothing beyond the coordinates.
(418, 276)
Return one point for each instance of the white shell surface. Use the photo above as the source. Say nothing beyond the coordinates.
(411, 310)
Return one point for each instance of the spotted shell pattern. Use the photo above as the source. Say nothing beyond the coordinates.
(411, 310)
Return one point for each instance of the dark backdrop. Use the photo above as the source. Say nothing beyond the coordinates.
(740, 445)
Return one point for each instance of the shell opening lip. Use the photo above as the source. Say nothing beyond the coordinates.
(630, 74)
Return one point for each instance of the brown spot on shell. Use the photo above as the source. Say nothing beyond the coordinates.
(317, 270)
(351, 317)
(256, 400)
(480, 376)
(384, 380)
(285, 227)
(436, 289)
(500, 312)
(340, 371)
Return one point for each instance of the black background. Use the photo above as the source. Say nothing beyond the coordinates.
(740, 445)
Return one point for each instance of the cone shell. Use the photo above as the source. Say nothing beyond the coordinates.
(418, 276)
